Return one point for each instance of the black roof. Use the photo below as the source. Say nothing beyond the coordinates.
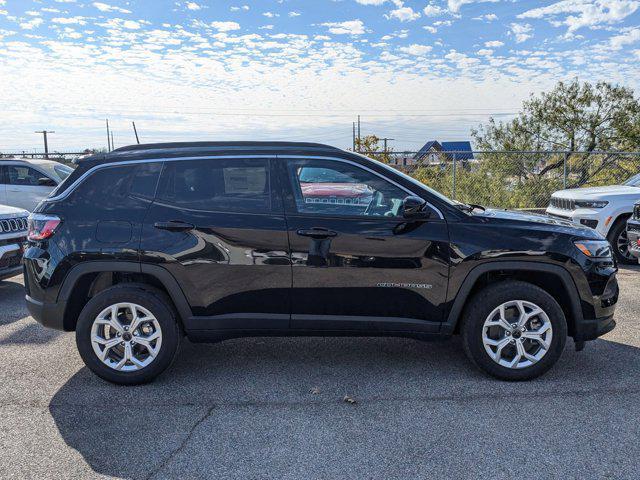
(189, 149)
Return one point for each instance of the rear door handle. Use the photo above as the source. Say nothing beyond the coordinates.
(174, 226)
(317, 233)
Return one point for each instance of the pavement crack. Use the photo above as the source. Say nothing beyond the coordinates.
(182, 445)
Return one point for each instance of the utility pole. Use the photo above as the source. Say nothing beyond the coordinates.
(46, 143)
(108, 137)
(385, 143)
(354, 136)
(136, 132)
(358, 129)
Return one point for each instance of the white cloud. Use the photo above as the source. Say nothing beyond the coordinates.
(377, 3)
(521, 31)
(454, 5)
(70, 20)
(584, 13)
(494, 43)
(271, 14)
(352, 27)
(294, 14)
(225, 26)
(404, 14)
(417, 50)
(627, 38)
(430, 29)
(193, 6)
(31, 24)
(103, 7)
(485, 52)
(433, 10)
(489, 17)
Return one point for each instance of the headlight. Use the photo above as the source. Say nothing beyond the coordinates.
(591, 203)
(594, 248)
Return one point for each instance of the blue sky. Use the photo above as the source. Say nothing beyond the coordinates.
(295, 69)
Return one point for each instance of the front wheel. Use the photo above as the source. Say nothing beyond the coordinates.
(128, 334)
(620, 243)
(514, 330)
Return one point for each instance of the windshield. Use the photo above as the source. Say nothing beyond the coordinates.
(633, 181)
(433, 192)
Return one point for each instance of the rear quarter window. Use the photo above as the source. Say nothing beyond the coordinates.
(116, 187)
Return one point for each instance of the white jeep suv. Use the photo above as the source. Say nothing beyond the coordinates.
(25, 182)
(605, 209)
(13, 234)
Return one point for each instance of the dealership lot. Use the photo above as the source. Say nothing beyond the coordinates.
(274, 408)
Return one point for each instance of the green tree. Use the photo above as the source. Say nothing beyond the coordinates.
(581, 119)
(370, 146)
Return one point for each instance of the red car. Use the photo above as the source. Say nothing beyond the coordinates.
(320, 185)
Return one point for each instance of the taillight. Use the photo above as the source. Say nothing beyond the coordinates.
(42, 226)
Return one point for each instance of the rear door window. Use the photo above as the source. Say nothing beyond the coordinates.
(241, 185)
(23, 175)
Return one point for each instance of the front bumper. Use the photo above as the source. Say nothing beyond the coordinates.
(10, 260)
(633, 235)
(587, 217)
(592, 329)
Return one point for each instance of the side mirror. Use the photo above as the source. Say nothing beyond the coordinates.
(413, 208)
(46, 182)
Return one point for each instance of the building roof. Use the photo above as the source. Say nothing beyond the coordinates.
(459, 148)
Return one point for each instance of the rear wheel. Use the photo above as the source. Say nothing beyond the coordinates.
(128, 334)
(620, 243)
(514, 330)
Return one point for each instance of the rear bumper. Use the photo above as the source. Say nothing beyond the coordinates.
(50, 315)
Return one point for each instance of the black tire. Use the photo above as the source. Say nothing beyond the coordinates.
(489, 298)
(619, 229)
(155, 302)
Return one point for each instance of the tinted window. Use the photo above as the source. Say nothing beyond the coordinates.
(339, 188)
(22, 175)
(224, 185)
(115, 185)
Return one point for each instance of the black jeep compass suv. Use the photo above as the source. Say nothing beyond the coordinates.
(145, 244)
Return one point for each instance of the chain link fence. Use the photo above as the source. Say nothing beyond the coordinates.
(513, 179)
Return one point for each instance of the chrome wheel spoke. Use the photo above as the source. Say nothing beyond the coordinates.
(146, 343)
(501, 321)
(500, 346)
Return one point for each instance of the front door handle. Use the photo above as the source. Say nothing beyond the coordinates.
(317, 233)
(174, 226)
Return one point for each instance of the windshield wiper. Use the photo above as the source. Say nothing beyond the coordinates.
(470, 207)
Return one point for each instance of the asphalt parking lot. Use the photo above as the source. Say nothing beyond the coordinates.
(275, 409)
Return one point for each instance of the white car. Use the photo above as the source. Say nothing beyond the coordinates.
(24, 182)
(605, 209)
(13, 233)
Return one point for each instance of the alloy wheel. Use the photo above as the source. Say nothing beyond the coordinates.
(517, 334)
(126, 337)
(622, 244)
